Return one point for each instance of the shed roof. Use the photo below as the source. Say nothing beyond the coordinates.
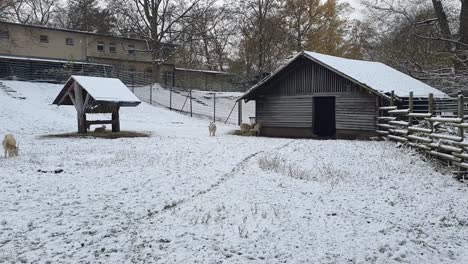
(102, 90)
(376, 76)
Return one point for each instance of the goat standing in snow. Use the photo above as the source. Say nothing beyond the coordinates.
(257, 129)
(101, 129)
(9, 144)
(212, 129)
(245, 128)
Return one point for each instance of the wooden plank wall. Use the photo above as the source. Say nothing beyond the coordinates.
(288, 101)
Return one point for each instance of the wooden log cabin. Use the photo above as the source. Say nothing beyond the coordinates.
(316, 95)
(95, 95)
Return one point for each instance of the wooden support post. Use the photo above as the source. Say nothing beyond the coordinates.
(116, 120)
(461, 103)
(392, 98)
(239, 117)
(411, 108)
(431, 111)
(79, 105)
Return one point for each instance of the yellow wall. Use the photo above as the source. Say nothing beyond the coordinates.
(25, 41)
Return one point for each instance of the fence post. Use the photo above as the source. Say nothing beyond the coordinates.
(239, 117)
(170, 99)
(151, 93)
(431, 111)
(461, 114)
(392, 98)
(191, 114)
(411, 108)
(214, 106)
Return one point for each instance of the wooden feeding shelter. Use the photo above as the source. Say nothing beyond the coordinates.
(95, 95)
(317, 95)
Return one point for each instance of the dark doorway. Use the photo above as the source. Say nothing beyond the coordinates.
(324, 116)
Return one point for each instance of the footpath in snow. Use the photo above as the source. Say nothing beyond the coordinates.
(181, 196)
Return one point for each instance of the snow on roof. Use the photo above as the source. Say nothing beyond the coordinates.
(103, 90)
(377, 76)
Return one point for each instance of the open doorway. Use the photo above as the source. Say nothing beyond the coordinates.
(324, 116)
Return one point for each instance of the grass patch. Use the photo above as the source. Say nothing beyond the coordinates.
(106, 135)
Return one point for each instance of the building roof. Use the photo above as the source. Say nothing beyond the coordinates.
(378, 77)
(102, 90)
(70, 30)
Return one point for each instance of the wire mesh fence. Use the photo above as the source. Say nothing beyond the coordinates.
(218, 106)
(183, 95)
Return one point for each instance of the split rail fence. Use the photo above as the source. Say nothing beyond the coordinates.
(439, 130)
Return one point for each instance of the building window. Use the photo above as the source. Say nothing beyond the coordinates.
(112, 48)
(131, 49)
(4, 34)
(44, 38)
(100, 46)
(69, 42)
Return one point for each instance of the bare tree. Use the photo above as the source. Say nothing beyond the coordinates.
(262, 46)
(5, 9)
(428, 39)
(162, 23)
(39, 12)
(211, 33)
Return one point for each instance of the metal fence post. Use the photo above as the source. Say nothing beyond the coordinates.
(191, 113)
(170, 99)
(239, 117)
(214, 106)
(151, 93)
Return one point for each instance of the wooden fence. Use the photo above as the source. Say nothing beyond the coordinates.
(438, 135)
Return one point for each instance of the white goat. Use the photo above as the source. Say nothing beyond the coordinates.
(9, 144)
(257, 129)
(101, 129)
(212, 129)
(245, 128)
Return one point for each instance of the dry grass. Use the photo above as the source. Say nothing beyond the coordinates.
(105, 135)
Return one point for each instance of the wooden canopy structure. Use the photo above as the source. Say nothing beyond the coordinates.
(95, 95)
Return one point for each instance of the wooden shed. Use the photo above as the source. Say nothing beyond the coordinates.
(96, 95)
(317, 95)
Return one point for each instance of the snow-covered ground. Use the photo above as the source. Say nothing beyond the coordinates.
(181, 196)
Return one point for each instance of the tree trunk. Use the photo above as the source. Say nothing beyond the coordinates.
(446, 33)
(462, 49)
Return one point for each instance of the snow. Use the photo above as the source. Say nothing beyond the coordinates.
(377, 76)
(181, 196)
(105, 89)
